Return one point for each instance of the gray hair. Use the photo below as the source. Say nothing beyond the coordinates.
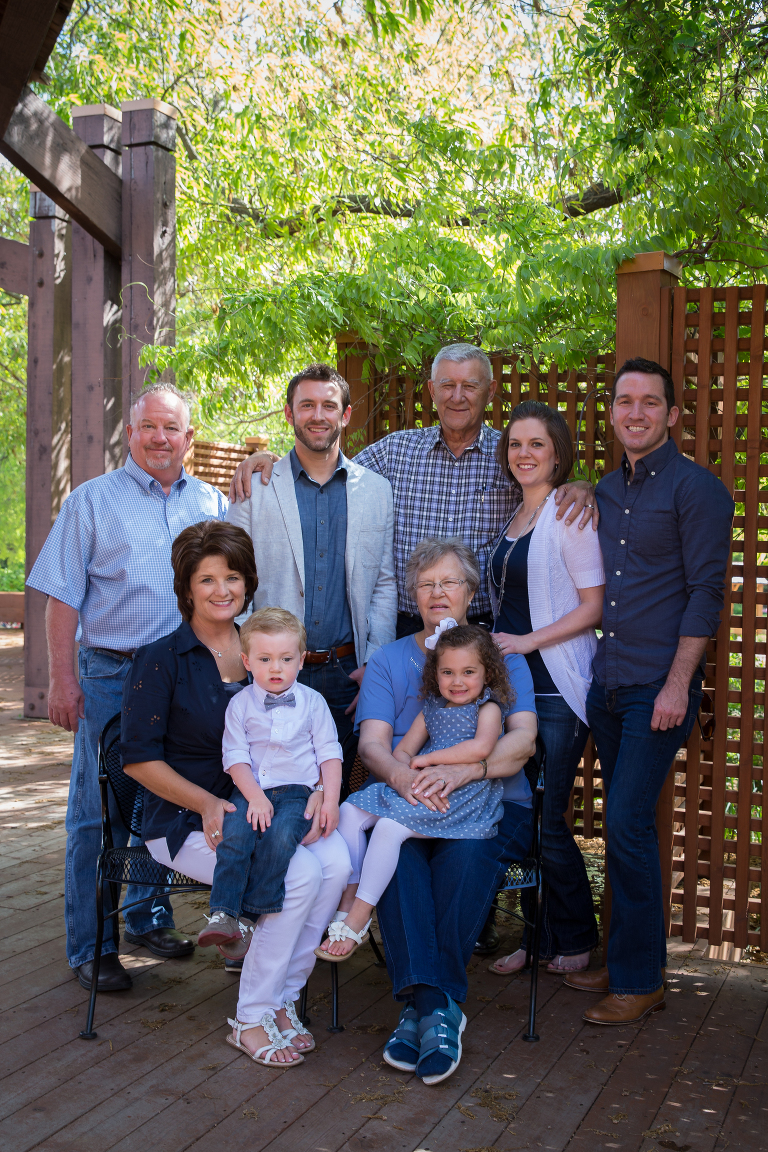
(459, 354)
(431, 551)
(154, 390)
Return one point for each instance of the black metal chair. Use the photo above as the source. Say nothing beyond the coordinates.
(118, 866)
(527, 876)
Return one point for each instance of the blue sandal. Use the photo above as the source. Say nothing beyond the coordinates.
(407, 1034)
(441, 1032)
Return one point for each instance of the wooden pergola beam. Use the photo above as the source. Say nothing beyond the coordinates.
(23, 33)
(46, 150)
(14, 267)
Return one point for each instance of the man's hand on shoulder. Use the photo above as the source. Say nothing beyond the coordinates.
(240, 487)
(577, 498)
(66, 704)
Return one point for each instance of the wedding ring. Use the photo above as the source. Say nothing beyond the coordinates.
(215, 834)
(589, 505)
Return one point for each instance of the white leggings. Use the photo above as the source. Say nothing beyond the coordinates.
(374, 863)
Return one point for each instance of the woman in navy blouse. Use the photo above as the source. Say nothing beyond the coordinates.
(174, 702)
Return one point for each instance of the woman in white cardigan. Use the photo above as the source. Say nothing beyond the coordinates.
(546, 585)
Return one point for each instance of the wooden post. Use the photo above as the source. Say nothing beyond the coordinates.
(97, 404)
(642, 310)
(149, 236)
(49, 396)
(351, 359)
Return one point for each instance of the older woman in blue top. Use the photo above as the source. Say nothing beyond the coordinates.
(438, 900)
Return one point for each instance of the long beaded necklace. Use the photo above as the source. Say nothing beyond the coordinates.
(510, 550)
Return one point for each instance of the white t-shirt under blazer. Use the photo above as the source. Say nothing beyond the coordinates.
(562, 559)
(283, 745)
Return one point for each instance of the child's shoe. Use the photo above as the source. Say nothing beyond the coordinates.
(236, 949)
(221, 929)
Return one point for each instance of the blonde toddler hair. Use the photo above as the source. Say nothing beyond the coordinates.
(271, 621)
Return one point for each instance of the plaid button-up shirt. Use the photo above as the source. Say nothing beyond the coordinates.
(438, 494)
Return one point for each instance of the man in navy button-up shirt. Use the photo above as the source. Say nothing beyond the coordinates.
(665, 533)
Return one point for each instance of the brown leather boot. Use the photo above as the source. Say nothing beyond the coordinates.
(625, 1009)
(596, 981)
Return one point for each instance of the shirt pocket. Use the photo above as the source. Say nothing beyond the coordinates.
(654, 534)
(494, 503)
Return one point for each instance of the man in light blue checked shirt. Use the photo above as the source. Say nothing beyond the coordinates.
(106, 569)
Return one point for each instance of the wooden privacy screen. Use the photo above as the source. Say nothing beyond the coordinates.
(715, 352)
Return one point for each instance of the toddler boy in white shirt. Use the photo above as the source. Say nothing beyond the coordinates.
(281, 748)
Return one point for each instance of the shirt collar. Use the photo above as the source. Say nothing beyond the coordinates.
(297, 468)
(261, 693)
(146, 481)
(185, 638)
(655, 461)
(484, 441)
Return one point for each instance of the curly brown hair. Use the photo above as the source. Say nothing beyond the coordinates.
(471, 636)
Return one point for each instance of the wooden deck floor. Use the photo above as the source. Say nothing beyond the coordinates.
(160, 1076)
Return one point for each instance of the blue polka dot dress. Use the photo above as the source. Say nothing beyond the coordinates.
(475, 809)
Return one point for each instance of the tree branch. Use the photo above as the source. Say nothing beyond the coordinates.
(595, 197)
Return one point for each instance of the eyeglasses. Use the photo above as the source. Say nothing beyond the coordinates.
(443, 585)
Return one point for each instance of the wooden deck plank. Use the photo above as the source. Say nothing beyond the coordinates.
(745, 1125)
(695, 1107)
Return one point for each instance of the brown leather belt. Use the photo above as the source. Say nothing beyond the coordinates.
(115, 652)
(326, 657)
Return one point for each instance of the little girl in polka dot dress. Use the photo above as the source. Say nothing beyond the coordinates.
(467, 696)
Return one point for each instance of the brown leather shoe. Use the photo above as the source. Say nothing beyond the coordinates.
(625, 1009)
(596, 981)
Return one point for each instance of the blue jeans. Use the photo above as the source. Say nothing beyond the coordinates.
(635, 762)
(101, 678)
(332, 681)
(569, 926)
(438, 900)
(249, 876)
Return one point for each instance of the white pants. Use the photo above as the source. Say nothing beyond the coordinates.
(281, 956)
(374, 863)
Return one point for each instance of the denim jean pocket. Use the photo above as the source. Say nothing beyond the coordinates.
(98, 665)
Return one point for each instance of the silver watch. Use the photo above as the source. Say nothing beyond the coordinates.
(318, 788)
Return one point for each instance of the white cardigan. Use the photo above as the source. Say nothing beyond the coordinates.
(562, 559)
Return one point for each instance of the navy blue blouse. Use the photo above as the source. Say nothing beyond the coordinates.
(174, 702)
(515, 609)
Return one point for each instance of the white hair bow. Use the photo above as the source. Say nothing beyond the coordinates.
(443, 626)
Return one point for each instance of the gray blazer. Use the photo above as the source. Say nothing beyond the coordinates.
(271, 519)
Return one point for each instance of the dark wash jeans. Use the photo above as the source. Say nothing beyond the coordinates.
(332, 681)
(635, 762)
(569, 926)
(249, 876)
(438, 900)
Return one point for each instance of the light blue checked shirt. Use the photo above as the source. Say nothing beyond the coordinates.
(109, 554)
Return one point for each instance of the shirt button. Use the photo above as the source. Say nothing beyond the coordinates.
(653, 473)
(622, 541)
(610, 633)
(321, 554)
(626, 511)
(322, 521)
(450, 517)
(613, 605)
(618, 571)
(319, 587)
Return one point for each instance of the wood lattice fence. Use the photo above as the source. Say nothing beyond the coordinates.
(713, 342)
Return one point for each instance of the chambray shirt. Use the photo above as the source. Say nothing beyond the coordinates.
(439, 494)
(109, 554)
(665, 538)
(323, 515)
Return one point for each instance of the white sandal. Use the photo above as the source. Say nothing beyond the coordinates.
(339, 930)
(297, 1028)
(263, 1055)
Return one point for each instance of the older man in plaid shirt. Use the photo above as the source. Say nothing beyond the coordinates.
(445, 479)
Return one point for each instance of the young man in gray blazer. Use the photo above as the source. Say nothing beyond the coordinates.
(322, 534)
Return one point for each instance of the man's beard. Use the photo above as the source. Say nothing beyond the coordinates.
(318, 445)
(165, 461)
